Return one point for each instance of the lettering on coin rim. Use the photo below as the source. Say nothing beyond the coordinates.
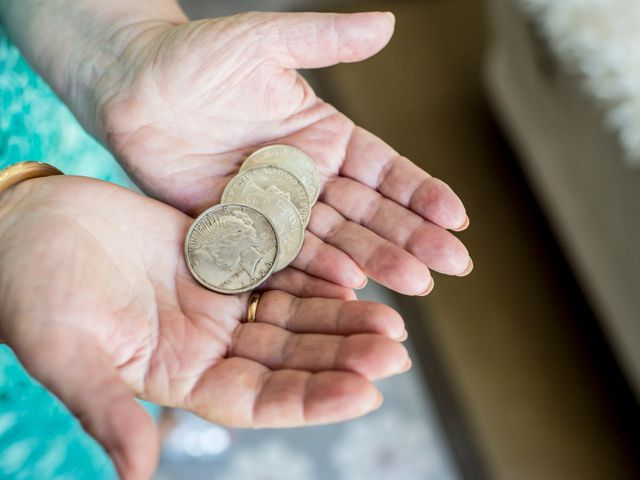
(265, 154)
(214, 288)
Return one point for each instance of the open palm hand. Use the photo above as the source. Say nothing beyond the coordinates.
(189, 102)
(98, 304)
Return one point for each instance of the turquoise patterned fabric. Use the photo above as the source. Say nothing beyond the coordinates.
(35, 125)
(39, 438)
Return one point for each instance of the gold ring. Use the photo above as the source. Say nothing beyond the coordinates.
(253, 307)
(19, 172)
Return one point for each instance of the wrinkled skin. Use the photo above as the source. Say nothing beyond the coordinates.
(94, 295)
(185, 104)
(97, 302)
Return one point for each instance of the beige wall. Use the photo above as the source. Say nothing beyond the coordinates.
(216, 8)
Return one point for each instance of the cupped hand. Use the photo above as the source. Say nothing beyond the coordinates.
(97, 302)
(185, 104)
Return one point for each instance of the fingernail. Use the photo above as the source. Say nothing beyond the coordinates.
(364, 284)
(467, 270)
(391, 14)
(404, 336)
(378, 403)
(408, 365)
(428, 290)
(464, 226)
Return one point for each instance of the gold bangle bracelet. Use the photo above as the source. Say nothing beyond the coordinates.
(19, 172)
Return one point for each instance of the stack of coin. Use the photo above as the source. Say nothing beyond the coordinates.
(258, 229)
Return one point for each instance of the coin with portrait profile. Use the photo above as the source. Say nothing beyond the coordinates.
(291, 159)
(231, 248)
(273, 180)
(283, 214)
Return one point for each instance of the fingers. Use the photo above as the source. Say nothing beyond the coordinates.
(434, 246)
(404, 212)
(372, 356)
(302, 284)
(242, 393)
(317, 315)
(80, 374)
(378, 258)
(327, 262)
(314, 40)
(372, 162)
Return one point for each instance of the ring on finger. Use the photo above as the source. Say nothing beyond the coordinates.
(253, 307)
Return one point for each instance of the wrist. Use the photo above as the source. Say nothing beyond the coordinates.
(104, 62)
(78, 45)
(8, 202)
(14, 187)
(102, 69)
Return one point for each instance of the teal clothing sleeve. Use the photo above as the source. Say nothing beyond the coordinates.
(36, 125)
(39, 438)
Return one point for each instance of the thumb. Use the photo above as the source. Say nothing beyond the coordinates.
(76, 370)
(314, 40)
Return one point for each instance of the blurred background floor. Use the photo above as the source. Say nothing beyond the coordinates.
(524, 380)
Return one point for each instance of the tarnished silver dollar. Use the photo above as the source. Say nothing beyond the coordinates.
(231, 248)
(291, 159)
(283, 215)
(270, 179)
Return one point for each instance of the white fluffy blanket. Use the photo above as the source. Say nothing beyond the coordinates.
(600, 40)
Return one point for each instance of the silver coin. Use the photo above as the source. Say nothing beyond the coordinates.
(283, 215)
(231, 248)
(291, 159)
(274, 180)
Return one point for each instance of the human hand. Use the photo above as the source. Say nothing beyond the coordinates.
(185, 104)
(98, 304)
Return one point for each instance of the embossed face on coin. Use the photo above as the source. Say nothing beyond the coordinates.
(291, 159)
(231, 248)
(283, 215)
(272, 180)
